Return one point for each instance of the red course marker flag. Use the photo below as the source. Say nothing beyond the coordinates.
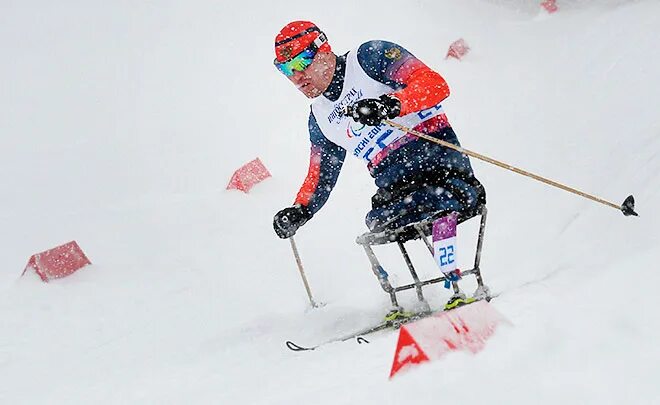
(248, 175)
(58, 262)
(550, 6)
(407, 353)
(458, 49)
(466, 329)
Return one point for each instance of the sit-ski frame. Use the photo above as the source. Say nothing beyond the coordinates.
(423, 230)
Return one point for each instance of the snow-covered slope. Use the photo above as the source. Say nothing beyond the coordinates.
(122, 122)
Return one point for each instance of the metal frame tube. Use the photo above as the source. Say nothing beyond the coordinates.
(381, 275)
(413, 272)
(480, 244)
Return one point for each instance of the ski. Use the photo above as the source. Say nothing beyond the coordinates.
(355, 335)
(359, 335)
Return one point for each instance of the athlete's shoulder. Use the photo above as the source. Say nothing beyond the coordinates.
(380, 59)
(378, 48)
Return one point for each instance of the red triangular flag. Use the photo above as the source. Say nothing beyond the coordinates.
(458, 49)
(407, 352)
(58, 262)
(235, 183)
(550, 6)
(248, 175)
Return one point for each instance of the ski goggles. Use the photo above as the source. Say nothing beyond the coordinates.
(299, 62)
(303, 60)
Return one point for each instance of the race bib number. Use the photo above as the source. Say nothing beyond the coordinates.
(444, 242)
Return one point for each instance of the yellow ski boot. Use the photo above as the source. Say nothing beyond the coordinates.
(458, 300)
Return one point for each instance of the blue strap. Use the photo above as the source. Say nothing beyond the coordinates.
(452, 276)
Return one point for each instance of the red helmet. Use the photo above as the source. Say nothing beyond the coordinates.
(295, 37)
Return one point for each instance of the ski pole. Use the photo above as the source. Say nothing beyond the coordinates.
(628, 206)
(302, 271)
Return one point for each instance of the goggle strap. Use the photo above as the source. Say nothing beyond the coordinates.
(298, 35)
(320, 40)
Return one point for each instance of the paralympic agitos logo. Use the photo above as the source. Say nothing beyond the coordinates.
(354, 132)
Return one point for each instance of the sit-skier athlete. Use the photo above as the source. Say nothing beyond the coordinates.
(378, 80)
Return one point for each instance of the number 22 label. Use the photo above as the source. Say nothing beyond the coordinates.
(446, 255)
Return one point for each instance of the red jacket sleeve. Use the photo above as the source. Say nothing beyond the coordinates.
(413, 83)
(424, 89)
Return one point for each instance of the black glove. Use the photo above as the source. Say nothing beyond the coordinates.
(287, 221)
(372, 111)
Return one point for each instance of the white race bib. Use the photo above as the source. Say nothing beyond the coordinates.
(362, 141)
(444, 242)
